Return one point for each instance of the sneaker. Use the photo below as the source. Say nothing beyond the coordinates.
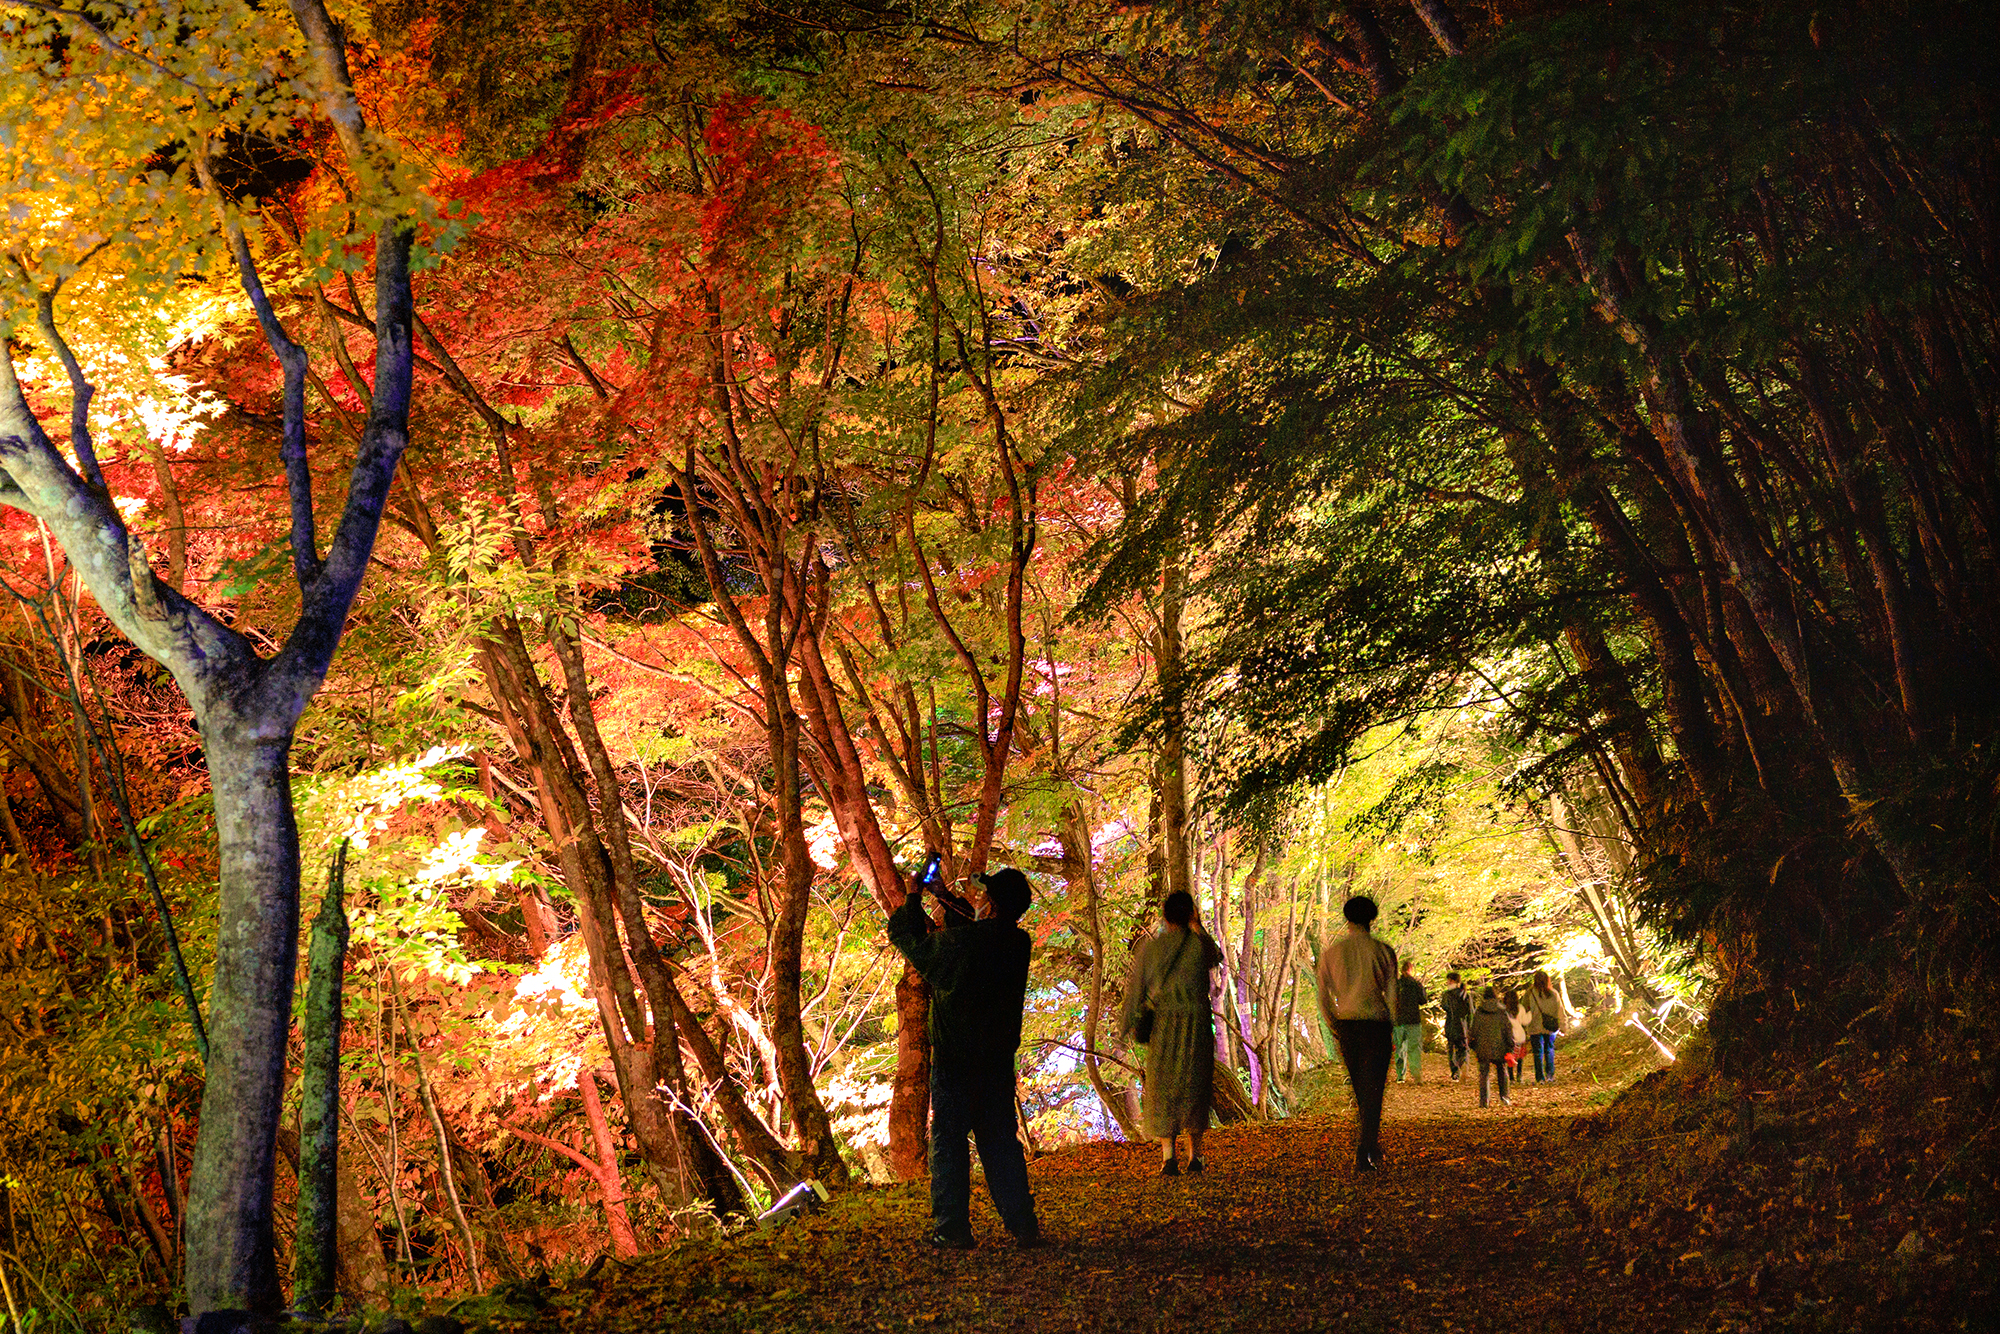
(1364, 1165)
(951, 1241)
(1196, 1165)
(1506, 1101)
(1033, 1241)
(1170, 1168)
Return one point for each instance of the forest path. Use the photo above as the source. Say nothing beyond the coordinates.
(1455, 1233)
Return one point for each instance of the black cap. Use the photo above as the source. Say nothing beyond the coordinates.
(1008, 891)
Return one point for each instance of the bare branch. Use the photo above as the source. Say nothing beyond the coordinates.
(292, 359)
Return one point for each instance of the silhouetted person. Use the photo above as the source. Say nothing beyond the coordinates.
(1492, 1042)
(1357, 974)
(1458, 1003)
(1406, 1039)
(978, 975)
(1170, 982)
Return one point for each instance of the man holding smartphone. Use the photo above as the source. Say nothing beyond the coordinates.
(977, 968)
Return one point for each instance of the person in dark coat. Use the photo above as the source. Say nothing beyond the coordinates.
(978, 975)
(1170, 982)
(1458, 1003)
(1407, 1036)
(1492, 1035)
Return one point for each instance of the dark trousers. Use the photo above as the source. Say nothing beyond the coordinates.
(1486, 1068)
(979, 1104)
(1455, 1048)
(1365, 1051)
(1544, 1047)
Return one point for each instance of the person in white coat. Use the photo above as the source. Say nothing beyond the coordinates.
(1357, 985)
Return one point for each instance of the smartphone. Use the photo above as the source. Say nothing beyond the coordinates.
(928, 877)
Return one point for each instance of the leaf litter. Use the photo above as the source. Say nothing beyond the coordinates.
(1469, 1225)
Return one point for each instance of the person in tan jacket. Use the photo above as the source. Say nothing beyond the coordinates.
(1357, 980)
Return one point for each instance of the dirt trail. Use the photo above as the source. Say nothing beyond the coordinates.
(1456, 1232)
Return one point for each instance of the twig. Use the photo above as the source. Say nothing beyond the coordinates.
(1102, 1056)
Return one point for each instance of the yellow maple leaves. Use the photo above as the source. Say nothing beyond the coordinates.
(100, 113)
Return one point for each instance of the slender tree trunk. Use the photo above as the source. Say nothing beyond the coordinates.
(315, 1252)
(446, 1172)
(810, 1123)
(645, 1056)
(1245, 982)
(1075, 835)
(1173, 745)
(170, 498)
(609, 1179)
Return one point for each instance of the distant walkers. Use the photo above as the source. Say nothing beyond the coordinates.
(1492, 1042)
(1546, 1014)
(1166, 1010)
(1517, 1018)
(1357, 976)
(1458, 1005)
(1408, 1036)
(978, 974)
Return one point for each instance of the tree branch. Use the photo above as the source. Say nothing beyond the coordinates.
(81, 390)
(308, 650)
(292, 358)
(200, 651)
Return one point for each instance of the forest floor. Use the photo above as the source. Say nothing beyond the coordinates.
(1465, 1228)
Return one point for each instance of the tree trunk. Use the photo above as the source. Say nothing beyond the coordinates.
(230, 1265)
(814, 1130)
(645, 1057)
(362, 1269)
(910, 1092)
(1075, 835)
(446, 1171)
(609, 1179)
(1173, 744)
(315, 1252)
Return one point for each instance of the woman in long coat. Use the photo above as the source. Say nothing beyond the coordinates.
(1170, 981)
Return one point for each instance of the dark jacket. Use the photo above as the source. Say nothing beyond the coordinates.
(1492, 1032)
(978, 974)
(1457, 1010)
(1410, 998)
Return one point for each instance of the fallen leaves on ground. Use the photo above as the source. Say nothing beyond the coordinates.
(1461, 1230)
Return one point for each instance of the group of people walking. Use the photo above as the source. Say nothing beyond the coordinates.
(1501, 1029)
(1375, 1011)
(1373, 1007)
(976, 963)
